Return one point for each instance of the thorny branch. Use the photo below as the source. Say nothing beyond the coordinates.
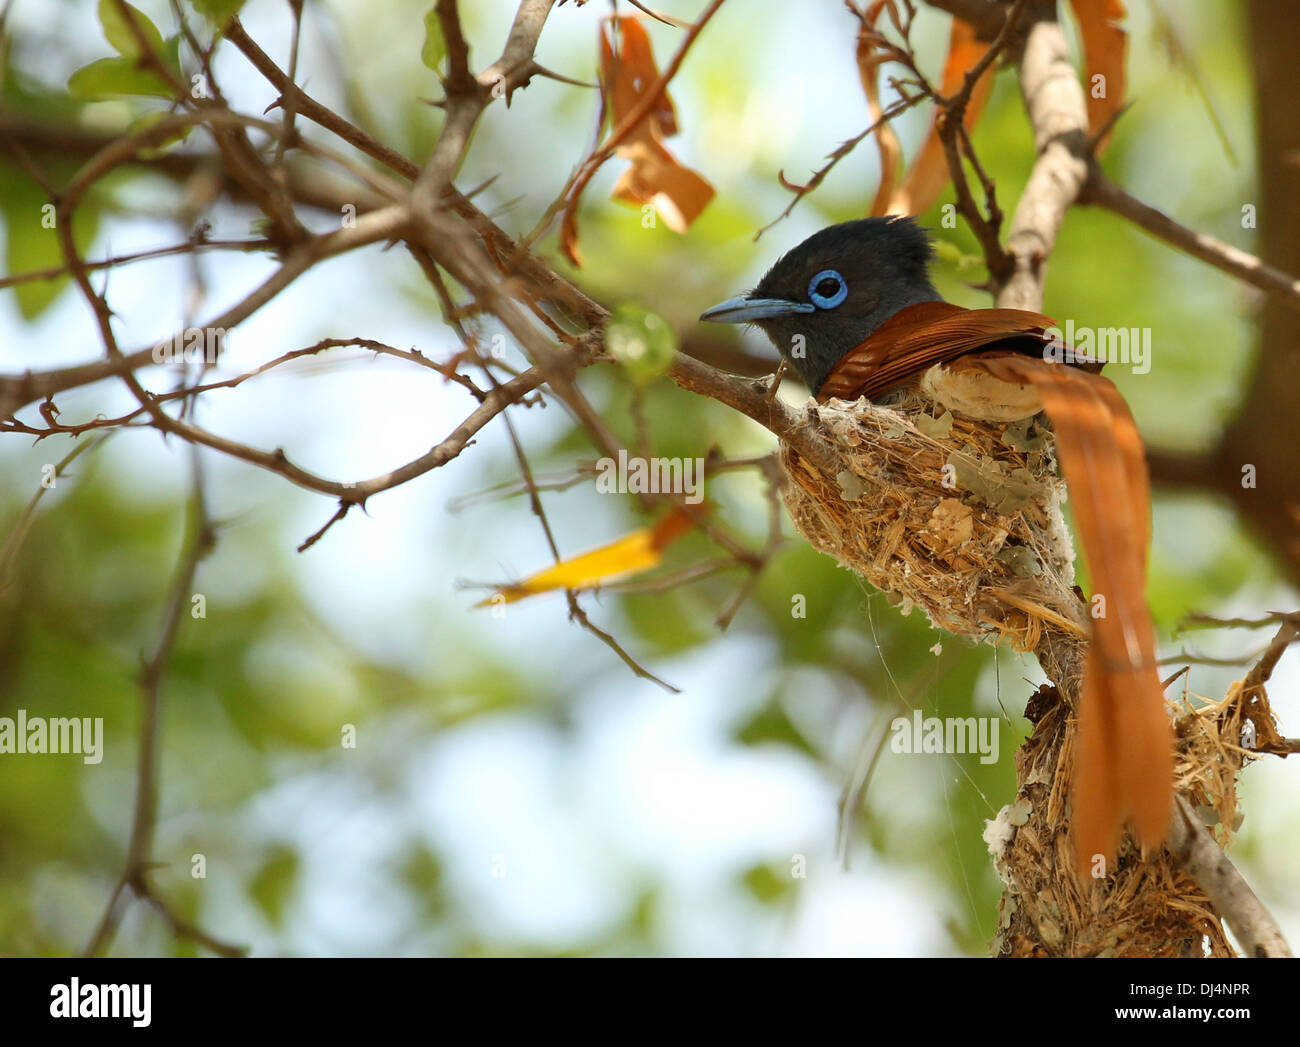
(443, 229)
(139, 864)
(447, 234)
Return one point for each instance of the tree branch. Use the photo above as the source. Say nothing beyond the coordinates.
(1101, 191)
(1055, 105)
(1205, 862)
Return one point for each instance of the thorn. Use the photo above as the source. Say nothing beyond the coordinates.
(1094, 140)
(794, 187)
(659, 16)
(534, 69)
(776, 381)
(469, 194)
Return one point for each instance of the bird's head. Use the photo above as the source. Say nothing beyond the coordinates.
(825, 296)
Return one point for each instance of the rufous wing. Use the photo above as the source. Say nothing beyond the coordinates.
(916, 338)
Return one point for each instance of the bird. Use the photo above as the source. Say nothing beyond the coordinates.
(853, 311)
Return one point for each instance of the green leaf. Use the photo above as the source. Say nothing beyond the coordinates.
(435, 47)
(32, 243)
(641, 341)
(947, 251)
(668, 622)
(273, 884)
(767, 884)
(148, 120)
(118, 30)
(116, 76)
(772, 725)
(218, 12)
(171, 55)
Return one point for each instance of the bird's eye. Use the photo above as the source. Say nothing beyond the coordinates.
(827, 289)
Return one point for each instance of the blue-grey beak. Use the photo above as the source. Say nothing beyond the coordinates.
(743, 310)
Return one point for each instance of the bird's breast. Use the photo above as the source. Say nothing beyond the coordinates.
(975, 394)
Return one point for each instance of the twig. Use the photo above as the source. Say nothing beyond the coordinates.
(749, 397)
(468, 96)
(580, 616)
(771, 469)
(136, 868)
(189, 247)
(571, 194)
(1231, 896)
(1058, 115)
(289, 107)
(1206, 621)
(342, 511)
(23, 524)
(1286, 635)
(1101, 191)
(834, 157)
(955, 138)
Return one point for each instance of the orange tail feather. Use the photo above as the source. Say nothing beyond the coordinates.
(1124, 760)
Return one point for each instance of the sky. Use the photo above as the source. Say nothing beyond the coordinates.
(544, 826)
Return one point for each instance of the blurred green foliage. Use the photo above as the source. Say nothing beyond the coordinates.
(256, 693)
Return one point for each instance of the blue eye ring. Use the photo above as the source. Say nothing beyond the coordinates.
(827, 301)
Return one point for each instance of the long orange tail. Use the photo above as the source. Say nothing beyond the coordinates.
(1124, 764)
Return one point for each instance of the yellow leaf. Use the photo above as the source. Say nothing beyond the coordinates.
(638, 551)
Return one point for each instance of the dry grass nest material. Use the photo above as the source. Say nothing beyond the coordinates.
(958, 517)
(1146, 905)
(963, 519)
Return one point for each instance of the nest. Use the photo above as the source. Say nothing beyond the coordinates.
(963, 519)
(958, 517)
(1146, 905)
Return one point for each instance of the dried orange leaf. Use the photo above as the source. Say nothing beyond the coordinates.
(627, 74)
(569, 236)
(929, 172)
(1105, 48)
(870, 59)
(677, 193)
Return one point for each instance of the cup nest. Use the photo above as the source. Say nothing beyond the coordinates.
(961, 518)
